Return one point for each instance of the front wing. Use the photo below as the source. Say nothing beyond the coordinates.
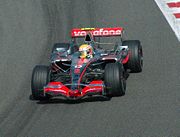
(60, 89)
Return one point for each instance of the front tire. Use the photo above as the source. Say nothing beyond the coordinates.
(40, 78)
(114, 79)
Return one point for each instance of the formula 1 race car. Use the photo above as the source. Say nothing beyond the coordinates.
(83, 67)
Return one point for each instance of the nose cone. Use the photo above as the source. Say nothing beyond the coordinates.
(74, 93)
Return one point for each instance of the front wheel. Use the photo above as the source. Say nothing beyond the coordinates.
(114, 79)
(40, 78)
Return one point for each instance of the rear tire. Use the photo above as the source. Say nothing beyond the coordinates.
(40, 78)
(135, 62)
(114, 79)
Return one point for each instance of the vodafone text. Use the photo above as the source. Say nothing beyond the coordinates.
(100, 32)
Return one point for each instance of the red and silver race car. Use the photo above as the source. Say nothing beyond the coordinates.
(84, 68)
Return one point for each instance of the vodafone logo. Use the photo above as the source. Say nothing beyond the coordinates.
(98, 32)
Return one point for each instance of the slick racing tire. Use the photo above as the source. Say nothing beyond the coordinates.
(58, 47)
(40, 78)
(135, 62)
(114, 79)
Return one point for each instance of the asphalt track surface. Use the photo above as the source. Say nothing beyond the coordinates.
(151, 106)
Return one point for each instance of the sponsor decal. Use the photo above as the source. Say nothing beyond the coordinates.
(77, 70)
(97, 32)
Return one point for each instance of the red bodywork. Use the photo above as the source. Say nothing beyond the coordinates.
(59, 89)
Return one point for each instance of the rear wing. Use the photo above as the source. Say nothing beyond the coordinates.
(97, 32)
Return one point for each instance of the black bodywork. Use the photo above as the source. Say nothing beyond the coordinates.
(65, 61)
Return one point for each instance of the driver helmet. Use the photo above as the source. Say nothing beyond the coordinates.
(86, 51)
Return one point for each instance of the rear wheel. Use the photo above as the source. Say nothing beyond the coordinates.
(114, 79)
(135, 62)
(40, 78)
